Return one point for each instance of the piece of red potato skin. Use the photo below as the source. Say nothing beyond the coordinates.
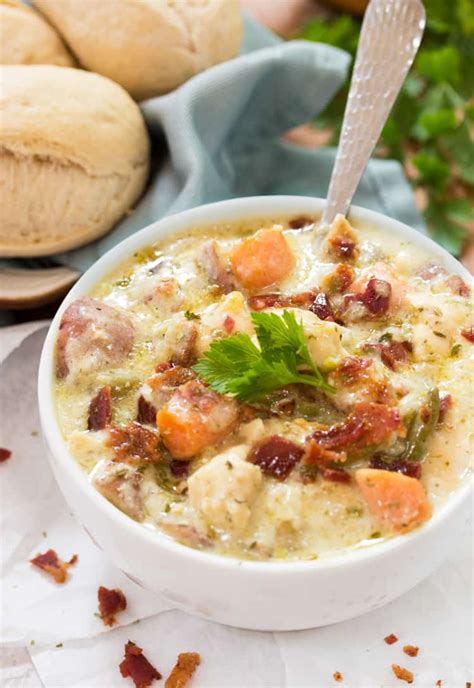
(194, 418)
(93, 333)
(100, 410)
(120, 484)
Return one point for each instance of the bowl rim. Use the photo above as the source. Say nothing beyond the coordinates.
(233, 209)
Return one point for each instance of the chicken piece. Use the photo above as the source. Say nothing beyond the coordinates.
(262, 260)
(434, 333)
(92, 336)
(223, 490)
(395, 499)
(216, 268)
(89, 447)
(358, 379)
(194, 418)
(223, 319)
(323, 336)
(120, 484)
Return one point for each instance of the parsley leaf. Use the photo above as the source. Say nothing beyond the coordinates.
(235, 365)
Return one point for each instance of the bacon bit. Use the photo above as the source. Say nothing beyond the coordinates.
(351, 370)
(411, 468)
(321, 307)
(300, 221)
(402, 674)
(316, 455)
(136, 666)
(458, 285)
(369, 423)
(438, 684)
(52, 564)
(111, 602)
(229, 324)
(185, 353)
(411, 650)
(336, 475)
(184, 668)
(179, 469)
(390, 639)
(134, 443)
(100, 410)
(338, 281)
(4, 454)
(161, 367)
(468, 333)
(391, 353)
(262, 301)
(445, 403)
(342, 247)
(468, 684)
(146, 412)
(376, 296)
(337, 676)
(276, 456)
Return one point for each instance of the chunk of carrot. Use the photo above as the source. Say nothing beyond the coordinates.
(394, 498)
(194, 418)
(262, 259)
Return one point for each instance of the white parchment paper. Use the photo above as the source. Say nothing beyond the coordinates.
(51, 636)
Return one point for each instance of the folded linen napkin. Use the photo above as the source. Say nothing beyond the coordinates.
(219, 136)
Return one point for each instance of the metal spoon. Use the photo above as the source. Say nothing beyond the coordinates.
(389, 39)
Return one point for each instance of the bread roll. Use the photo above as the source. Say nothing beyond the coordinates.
(74, 157)
(27, 39)
(148, 46)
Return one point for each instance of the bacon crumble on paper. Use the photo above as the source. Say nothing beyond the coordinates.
(52, 564)
(337, 676)
(411, 650)
(111, 602)
(100, 410)
(136, 666)
(402, 674)
(183, 670)
(4, 454)
(390, 639)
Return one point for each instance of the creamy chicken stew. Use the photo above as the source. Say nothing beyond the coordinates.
(267, 391)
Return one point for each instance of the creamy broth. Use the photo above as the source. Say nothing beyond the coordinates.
(350, 466)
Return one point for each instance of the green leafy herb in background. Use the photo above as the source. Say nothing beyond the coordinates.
(430, 128)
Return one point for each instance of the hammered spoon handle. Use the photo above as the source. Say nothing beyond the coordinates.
(389, 39)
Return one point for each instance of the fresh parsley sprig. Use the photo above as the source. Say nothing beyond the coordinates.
(237, 366)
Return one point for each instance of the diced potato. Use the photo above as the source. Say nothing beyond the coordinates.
(120, 484)
(225, 318)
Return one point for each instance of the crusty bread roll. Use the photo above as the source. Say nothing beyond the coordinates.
(27, 39)
(74, 157)
(148, 46)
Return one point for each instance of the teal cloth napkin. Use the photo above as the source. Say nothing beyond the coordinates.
(219, 136)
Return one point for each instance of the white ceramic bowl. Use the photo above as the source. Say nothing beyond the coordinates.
(255, 595)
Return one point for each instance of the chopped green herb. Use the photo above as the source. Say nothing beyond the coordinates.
(455, 350)
(237, 366)
(189, 315)
(439, 334)
(229, 465)
(376, 534)
(59, 645)
(34, 433)
(386, 337)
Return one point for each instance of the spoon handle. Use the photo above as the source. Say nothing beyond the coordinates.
(389, 39)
